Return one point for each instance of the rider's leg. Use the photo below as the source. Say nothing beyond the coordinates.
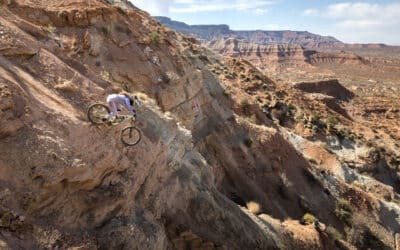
(113, 108)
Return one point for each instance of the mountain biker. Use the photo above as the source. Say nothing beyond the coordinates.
(115, 100)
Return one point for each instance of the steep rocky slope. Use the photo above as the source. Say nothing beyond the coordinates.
(222, 164)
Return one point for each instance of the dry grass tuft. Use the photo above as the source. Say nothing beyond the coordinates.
(66, 86)
(253, 207)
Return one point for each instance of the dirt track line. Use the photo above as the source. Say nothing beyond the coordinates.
(45, 96)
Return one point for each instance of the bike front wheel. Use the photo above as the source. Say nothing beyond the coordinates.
(96, 112)
(131, 136)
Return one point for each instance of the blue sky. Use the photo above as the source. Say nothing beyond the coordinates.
(349, 21)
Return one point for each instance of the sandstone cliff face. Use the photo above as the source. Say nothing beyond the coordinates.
(270, 56)
(342, 57)
(201, 162)
(276, 52)
(263, 56)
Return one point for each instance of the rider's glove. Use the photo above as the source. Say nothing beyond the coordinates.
(137, 101)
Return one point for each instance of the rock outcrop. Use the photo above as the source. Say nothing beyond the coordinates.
(329, 87)
(342, 57)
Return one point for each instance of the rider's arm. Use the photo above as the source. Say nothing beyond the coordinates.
(129, 106)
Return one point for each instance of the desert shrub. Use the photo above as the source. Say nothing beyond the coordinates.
(253, 207)
(333, 233)
(51, 28)
(155, 37)
(245, 106)
(347, 134)
(331, 120)
(364, 238)
(291, 109)
(315, 118)
(204, 58)
(248, 142)
(308, 219)
(360, 186)
(344, 212)
(313, 161)
(105, 30)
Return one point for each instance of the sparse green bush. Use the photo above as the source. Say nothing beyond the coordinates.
(315, 118)
(248, 142)
(331, 121)
(364, 238)
(105, 30)
(155, 37)
(245, 107)
(360, 186)
(291, 109)
(344, 212)
(313, 161)
(308, 219)
(333, 233)
(51, 28)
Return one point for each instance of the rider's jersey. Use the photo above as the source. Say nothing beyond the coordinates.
(120, 99)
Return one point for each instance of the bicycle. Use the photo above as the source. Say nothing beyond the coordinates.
(129, 135)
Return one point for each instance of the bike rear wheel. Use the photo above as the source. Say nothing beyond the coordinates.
(131, 136)
(96, 112)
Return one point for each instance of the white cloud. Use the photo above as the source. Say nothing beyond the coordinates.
(310, 12)
(260, 12)
(164, 7)
(360, 21)
(362, 15)
(156, 7)
(274, 26)
(184, 1)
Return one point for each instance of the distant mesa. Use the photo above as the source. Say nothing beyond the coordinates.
(303, 38)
